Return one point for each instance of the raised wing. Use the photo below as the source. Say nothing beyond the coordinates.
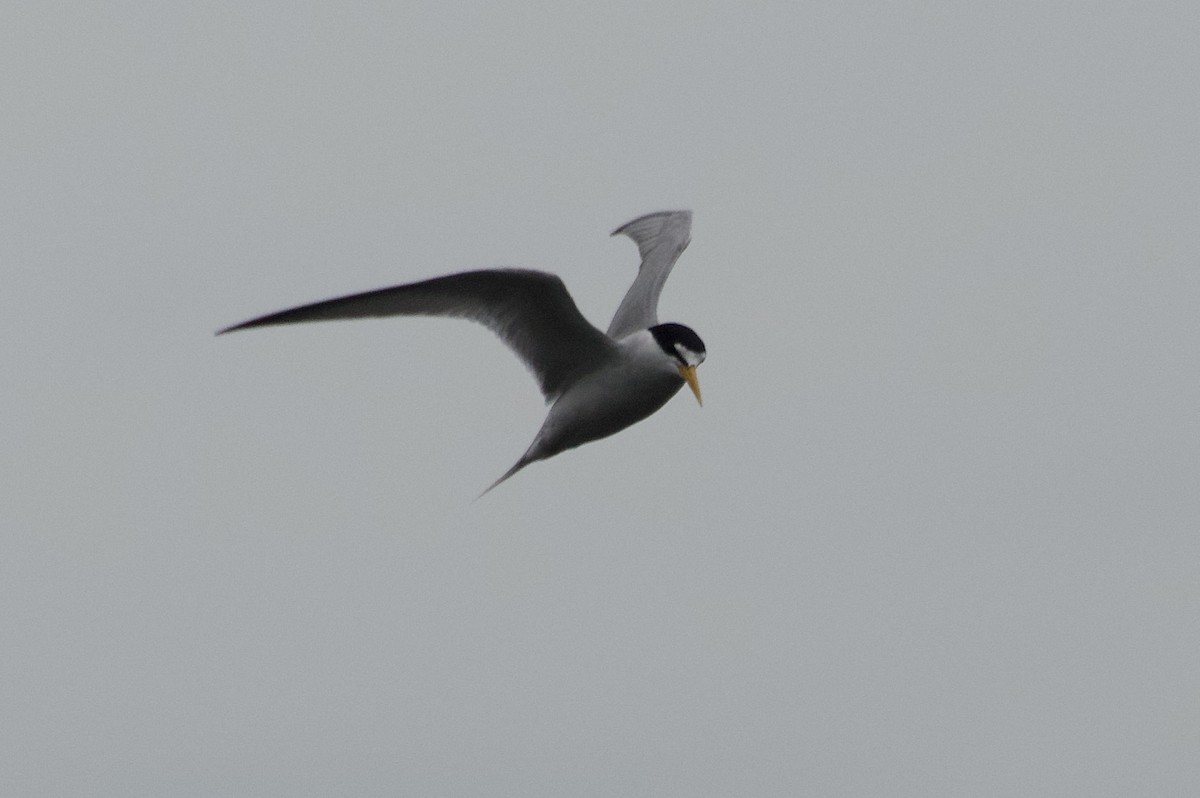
(660, 238)
(531, 311)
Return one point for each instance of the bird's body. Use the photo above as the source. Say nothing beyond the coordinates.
(597, 383)
(605, 401)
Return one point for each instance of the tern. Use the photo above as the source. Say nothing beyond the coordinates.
(596, 383)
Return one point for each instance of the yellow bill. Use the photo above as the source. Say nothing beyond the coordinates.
(689, 375)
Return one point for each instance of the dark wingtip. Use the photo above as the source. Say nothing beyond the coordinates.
(262, 321)
(517, 466)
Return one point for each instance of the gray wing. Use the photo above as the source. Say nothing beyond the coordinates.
(531, 311)
(660, 238)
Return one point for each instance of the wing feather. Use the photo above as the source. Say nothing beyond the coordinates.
(531, 312)
(660, 238)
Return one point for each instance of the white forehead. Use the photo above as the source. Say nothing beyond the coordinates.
(688, 356)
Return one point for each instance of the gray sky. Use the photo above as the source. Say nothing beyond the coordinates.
(934, 533)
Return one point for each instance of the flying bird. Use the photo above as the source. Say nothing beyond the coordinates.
(596, 383)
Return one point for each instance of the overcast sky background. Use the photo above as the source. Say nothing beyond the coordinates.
(935, 532)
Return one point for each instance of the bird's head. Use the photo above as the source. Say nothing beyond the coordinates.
(685, 348)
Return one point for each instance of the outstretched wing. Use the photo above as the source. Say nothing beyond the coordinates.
(531, 311)
(660, 238)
